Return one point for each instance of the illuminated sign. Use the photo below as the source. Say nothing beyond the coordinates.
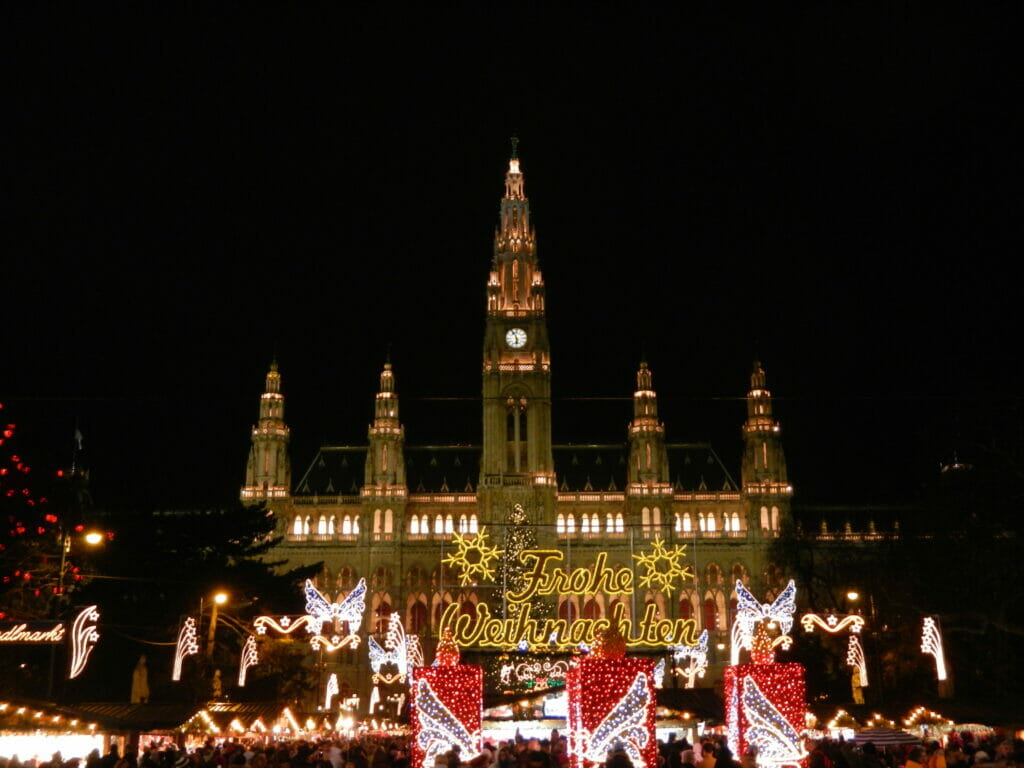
(660, 569)
(31, 633)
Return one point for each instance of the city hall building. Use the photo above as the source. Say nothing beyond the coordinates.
(388, 512)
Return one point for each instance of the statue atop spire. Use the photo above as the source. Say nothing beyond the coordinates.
(515, 147)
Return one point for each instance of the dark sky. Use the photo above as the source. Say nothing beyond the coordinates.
(835, 189)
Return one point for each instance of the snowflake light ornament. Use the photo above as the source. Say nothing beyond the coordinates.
(472, 557)
(662, 566)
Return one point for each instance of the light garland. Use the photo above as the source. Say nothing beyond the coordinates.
(84, 637)
(446, 712)
(611, 706)
(249, 658)
(832, 623)
(332, 690)
(187, 645)
(749, 612)
(855, 658)
(698, 659)
(931, 643)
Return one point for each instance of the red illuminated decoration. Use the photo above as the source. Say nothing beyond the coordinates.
(447, 707)
(611, 705)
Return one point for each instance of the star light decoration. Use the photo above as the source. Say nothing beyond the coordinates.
(662, 566)
(855, 658)
(931, 643)
(188, 645)
(84, 637)
(249, 658)
(472, 557)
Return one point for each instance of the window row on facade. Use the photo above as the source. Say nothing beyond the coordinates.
(566, 524)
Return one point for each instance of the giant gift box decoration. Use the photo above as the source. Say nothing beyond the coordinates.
(447, 707)
(765, 708)
(611, 706)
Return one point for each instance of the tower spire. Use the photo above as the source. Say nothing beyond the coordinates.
(648, 465)
(763, 471)
(385, 462)
(268, 474)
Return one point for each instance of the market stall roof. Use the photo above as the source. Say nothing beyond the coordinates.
(27, 714)
(141, 718)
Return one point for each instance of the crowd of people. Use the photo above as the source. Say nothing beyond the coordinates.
(960, 751)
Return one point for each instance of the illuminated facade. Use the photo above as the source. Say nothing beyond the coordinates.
(388, 512)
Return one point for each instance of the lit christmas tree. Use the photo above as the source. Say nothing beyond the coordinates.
(520, 535)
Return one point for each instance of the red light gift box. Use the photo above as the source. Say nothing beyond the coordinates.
(767, 700)
(446, 707)
(611, 707)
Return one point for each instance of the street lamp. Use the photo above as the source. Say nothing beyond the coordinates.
(219, 599)
(92, 538)
(853, 595)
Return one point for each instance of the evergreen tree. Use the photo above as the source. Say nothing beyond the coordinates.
(520, 535)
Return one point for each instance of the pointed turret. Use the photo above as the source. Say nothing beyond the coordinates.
(384, 490)
(649, 493)
(648, 460)
(764, 464)
(268, 474)
(385, 462)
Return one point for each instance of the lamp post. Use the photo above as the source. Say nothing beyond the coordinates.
(218, 599)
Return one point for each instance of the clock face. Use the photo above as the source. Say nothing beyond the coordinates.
(516, 338)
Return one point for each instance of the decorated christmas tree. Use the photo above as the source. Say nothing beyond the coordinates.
(520, 535)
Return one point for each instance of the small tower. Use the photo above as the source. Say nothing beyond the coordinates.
(268, 474)
(764, 479)
(649, 490)
(384, 490)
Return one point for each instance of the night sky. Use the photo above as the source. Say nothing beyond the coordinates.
(835, 190)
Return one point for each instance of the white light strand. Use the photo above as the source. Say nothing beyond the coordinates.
(332, 690)
(777, 742)
(698, 659)
(84, 637)
(374, 698)
(659, 674)
(624, 727)
(440, 729)
(832, 623)
(187, 646)
(855, 658)
(249, 659)
(931, 643)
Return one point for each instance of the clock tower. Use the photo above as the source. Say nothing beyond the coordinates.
(517, 464)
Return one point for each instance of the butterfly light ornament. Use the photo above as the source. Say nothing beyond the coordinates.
(623, 728)
(319, 610)
(749, 613)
